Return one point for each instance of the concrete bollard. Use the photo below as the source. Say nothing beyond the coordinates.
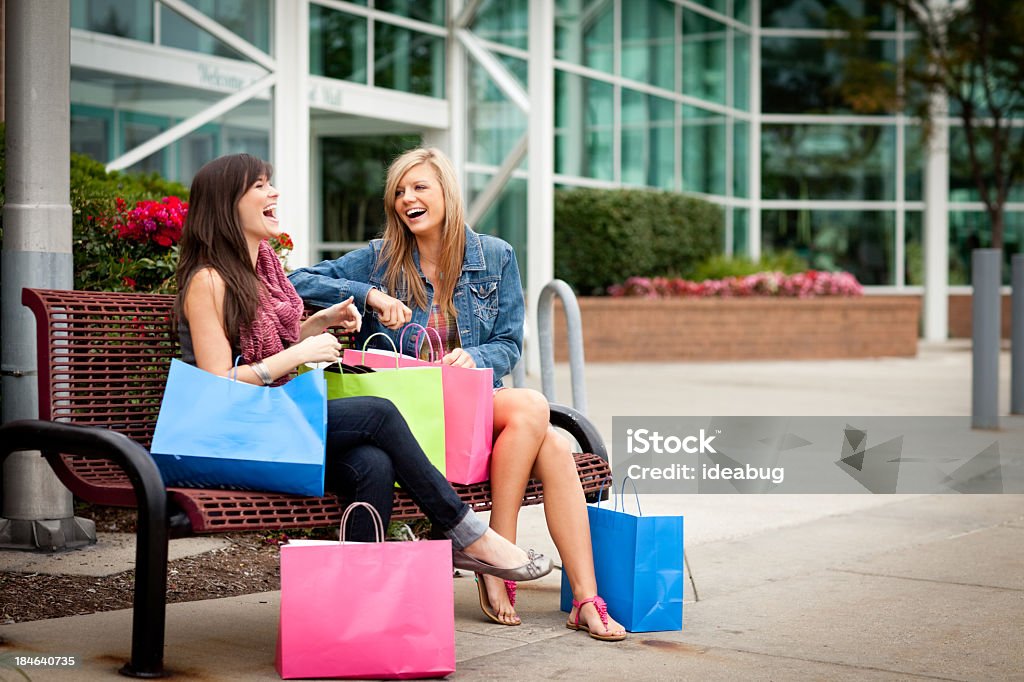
(986, 274)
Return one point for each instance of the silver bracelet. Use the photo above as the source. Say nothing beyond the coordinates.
(262, 372)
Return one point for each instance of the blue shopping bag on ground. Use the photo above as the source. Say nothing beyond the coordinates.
(638, 561)
(215, 432)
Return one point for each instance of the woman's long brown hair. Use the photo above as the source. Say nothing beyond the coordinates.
(212, 236)
(399, 242)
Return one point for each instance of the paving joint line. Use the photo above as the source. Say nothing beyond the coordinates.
(936, 581)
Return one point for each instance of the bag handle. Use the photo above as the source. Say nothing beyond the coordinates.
(622, 491)
(390, 340)
(378, 525)
(425, 332)
(234, 370)
(600, 491)
(622, 488)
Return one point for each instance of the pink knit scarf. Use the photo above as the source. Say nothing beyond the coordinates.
(278, 313)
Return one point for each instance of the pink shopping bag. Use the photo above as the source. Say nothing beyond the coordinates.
(468, 409)
(366, 610)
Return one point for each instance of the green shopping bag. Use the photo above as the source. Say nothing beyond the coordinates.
(415, 391)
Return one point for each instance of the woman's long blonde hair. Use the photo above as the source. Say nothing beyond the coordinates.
(399, 242)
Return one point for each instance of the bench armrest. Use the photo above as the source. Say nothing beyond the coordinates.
(580, 428)
(54, 438)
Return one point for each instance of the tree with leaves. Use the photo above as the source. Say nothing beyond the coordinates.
(972, 53)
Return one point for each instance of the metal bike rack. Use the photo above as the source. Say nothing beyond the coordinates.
(546, 343)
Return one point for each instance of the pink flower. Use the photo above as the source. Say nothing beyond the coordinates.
(799, 285)
(159, 222)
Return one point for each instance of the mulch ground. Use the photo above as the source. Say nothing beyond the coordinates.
(248, 564)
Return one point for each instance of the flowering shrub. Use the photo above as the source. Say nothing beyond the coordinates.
(799, 285)
(152, 221)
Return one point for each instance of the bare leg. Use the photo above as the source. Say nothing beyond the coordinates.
(520, 425)
(527, 446)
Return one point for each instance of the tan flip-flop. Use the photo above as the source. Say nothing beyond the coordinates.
(485, 602)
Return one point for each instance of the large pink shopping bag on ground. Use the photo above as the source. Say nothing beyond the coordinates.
(468, 410)
(366, 610)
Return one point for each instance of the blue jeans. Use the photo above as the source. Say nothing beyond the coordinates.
(369, 447)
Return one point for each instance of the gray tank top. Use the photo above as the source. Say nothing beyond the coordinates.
(188, 353)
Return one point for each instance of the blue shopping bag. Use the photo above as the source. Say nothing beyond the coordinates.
(214, 432)
(638, 561)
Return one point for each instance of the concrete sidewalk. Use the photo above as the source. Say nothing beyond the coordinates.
(791, 586)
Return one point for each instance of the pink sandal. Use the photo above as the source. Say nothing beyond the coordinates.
(602, 610)
(485, 602)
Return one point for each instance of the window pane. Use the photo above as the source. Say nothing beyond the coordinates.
(248, 19)
(961, 179)
(648, 140)
(408, 60)
(337, 44)
(740, 232)
(813, 13)
(503, 21)
(424, 10)
(703, 151)
(914, 162)
(496, 124)
(828, 162)
(860, 242)
(740, 153)
(138, 128)
(648, 42)
(91, 132)
(704, 55)
(803, 75)
(740, 69)
(741, 10)
(584, 31)
(583, 126)
(506, 218)
(969, 230)
(913, 248)
(124, 18)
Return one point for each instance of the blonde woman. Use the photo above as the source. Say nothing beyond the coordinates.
(432, 269)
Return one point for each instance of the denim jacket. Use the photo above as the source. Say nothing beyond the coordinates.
(488, 298)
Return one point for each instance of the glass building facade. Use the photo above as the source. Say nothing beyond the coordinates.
(735, 101)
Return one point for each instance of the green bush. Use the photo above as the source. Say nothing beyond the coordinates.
(605, 236)
(721, 266)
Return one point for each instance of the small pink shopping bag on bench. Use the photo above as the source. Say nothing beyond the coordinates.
(367, 610)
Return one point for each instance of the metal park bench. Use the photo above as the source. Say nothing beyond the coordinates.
(103, 360)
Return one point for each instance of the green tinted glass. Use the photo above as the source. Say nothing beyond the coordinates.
(583, 126)
(846, 162)
(337, 44)
(648, 140)
(648, 42)
(704, 57)
(704, 151)
(408, 60)
(860, 242)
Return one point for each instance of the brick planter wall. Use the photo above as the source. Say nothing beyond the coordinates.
(635, 329)
(960, 316)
